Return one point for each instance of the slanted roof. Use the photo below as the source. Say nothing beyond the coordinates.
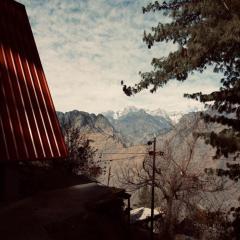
(29, 128)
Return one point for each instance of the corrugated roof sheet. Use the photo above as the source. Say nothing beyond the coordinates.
(29, 128)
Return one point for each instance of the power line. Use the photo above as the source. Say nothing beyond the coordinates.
(115, 159)
(124, 153)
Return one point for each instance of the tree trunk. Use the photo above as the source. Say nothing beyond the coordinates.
(168, 227)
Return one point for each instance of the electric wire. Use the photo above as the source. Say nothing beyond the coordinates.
(116, 159)
(143, 153)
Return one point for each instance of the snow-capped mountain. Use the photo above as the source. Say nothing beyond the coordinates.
(137, 125)
(171, 116)
(131, 125)
(175, 116)
(117, 114)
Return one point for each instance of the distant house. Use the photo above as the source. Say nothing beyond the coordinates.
(29, 128)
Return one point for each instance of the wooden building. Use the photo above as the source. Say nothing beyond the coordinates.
(29, 128)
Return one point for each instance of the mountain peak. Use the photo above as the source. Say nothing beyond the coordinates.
(137, 125)
(130, 109)
(173, 117)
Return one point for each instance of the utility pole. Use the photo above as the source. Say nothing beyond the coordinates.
(153, 153)
(109, 174)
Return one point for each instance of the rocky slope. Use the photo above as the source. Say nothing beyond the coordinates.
(111, 150)
(86, 122)
(179, 141)
(95, 127)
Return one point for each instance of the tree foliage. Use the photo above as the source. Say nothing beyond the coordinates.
(207, 33)
(80, 158)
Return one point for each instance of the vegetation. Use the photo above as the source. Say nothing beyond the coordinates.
(181, 186)
(80, 158)
(207, 35)
(78, 168)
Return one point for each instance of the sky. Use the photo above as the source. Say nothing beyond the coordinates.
(88, 46)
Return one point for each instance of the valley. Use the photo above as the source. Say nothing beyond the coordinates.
(121, 142)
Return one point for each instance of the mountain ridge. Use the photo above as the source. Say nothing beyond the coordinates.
(173, 116)
(131, 126)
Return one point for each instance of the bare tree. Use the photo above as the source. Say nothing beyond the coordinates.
(81, 154)
(180, 184)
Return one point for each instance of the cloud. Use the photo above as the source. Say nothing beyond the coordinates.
(87, 47)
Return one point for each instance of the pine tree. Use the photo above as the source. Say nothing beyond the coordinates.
(208, 34)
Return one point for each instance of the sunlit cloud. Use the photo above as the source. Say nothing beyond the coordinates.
(87, 47)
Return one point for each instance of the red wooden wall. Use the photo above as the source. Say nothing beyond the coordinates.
(29, 128)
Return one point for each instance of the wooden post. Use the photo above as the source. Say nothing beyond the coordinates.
(109, 174)
(153, 185)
